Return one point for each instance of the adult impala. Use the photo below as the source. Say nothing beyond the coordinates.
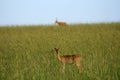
(75, 58)
(60, 23)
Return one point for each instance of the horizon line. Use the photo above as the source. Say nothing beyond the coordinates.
(20, 25)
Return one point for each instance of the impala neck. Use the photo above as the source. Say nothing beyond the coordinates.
(58, 55)
(56, 21)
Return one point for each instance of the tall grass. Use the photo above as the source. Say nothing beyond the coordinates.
(26, 52)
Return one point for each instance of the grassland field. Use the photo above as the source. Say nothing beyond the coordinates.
(26, 53)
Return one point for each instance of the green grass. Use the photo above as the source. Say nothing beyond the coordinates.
(26, 52)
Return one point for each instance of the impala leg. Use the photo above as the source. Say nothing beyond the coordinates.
(63, 68)
(79, 67)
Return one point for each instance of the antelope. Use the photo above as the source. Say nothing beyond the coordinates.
(61, 23)
(76, 58)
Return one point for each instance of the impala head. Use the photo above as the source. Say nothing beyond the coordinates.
(57, 50)
(56, 20)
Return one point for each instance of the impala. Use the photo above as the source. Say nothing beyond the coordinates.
(61, 23)
(76, 58)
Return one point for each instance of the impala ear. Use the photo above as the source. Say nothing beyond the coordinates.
(57, 49)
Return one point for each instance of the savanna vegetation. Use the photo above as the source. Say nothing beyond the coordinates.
(26, 53)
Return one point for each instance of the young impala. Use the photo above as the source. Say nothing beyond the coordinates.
(61, 23)
(69, 59)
